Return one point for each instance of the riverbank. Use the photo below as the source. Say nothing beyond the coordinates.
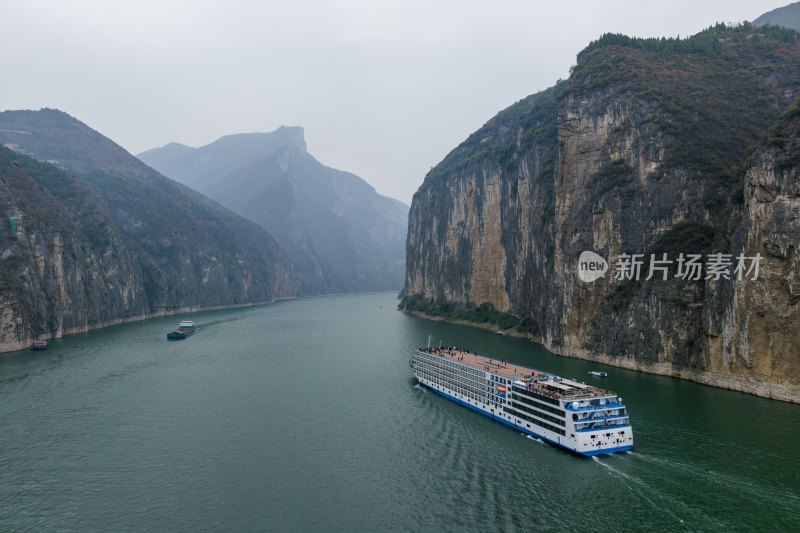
(26, 343)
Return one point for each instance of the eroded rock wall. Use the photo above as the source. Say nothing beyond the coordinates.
(487, 226)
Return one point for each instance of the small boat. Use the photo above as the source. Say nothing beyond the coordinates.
(599, 373)
(184, 330)
(39, 345)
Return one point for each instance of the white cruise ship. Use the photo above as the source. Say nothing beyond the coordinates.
(582, 418)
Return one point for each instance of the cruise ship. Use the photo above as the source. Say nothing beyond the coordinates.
(579, 417)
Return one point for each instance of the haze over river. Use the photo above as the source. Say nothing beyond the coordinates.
(304, 416)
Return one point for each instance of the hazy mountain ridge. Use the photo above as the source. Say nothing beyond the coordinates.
(786, 16)
(340, 234)
(652, 146)
(200, 167)
(176, 248)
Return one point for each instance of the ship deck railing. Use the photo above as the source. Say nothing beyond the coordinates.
(603, 419)
(536, 381)
(598, 415)
(607, 426)
(595, 407)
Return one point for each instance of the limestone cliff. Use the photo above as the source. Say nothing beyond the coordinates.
(646, 149)
(62, 271)
(759, 327)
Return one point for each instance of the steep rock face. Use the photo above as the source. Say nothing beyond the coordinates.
(638, 153)
(65, 271)
(613, 197)
(481, 233)
(758, 330)
(127, 243)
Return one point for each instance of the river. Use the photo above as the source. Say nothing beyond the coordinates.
(304, 415)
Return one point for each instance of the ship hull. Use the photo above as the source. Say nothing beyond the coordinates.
(180, 333)
(526, 430)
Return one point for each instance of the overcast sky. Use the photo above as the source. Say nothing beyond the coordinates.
(383, 89)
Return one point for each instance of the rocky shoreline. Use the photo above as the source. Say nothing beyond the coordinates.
(13, 346)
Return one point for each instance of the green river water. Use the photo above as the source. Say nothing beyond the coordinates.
(304, 416)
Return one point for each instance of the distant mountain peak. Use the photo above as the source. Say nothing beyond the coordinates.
(341, 235)
(178, 146)
(293, 136)
(180, 162)
(297, 130)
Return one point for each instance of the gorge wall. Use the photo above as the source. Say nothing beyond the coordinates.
(101, 238)
(652, 147)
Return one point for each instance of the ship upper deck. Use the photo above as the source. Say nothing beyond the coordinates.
(549, 385)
